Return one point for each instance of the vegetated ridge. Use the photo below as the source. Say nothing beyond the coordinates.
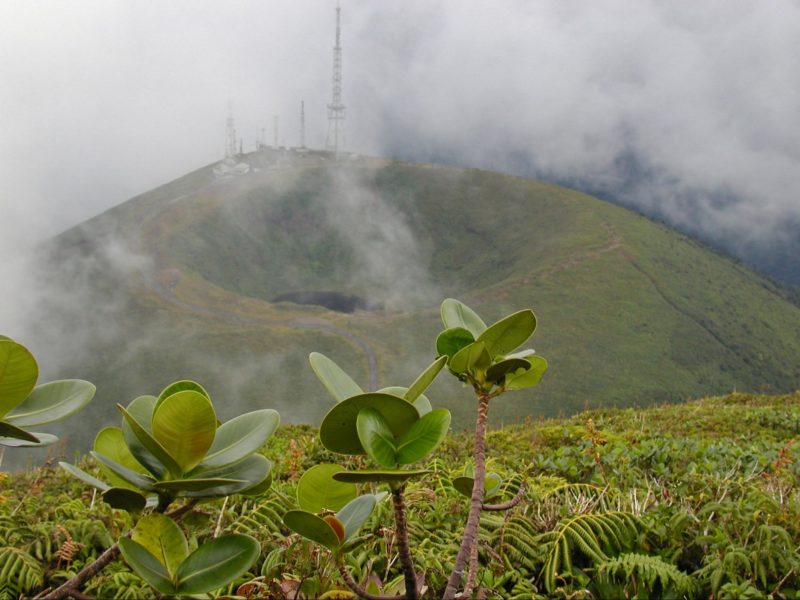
(629, 311)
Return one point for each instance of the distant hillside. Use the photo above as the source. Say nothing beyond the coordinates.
(182, 282)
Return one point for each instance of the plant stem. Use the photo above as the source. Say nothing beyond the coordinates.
(401, 527)
(476, 500)
(351, 583)
(511, 503)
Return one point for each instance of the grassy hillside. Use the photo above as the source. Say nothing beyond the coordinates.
(709, 491)
(179, 283)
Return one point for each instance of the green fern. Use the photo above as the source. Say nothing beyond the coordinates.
(19, 571)
(643, 576)
(594, 535)
(265, 517)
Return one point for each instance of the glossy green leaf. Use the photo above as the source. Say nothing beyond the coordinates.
(261, 487)
(162, 538)
(499, 371)
(52, 401)
(110, 442)
(197, 484)
(450, 341)
(312, 527)
(246, 474)
(422, 404)
(338, 431)
(522, 353)
(318, 491)
(142, 482)
(424, 381)
(84, 476)
(184, 424)
(529, 378)
(141, 410)
(458, 314)
(240, 437)
(336, 381)
(43, 439)
(470, 359)
(123, 498)
(424, 436)
(146, 566)
(180, 386)
(508, 333)
(12, 431)
(355, 513)
(18, 374)
(378, 475)
(377, 438)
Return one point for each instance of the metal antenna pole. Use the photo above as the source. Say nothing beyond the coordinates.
(230, 134)
(302, 124)
(275, 130)
(336, 109)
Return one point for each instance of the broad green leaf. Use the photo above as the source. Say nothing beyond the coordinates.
(246, 473)
(180, 386)
(317, 490)
(491, 485)
(84, 476)
(142, 482)
(376, 437)
(197, 484)
(259, 488)
(123, 498)
(378, 475)
(423, 437)
(184, 425)
(338, 431)
(18, 374)
(43, 439)
(336, 381)
(52, 401)
(146, 566)
(458, 314)
(425, 379)
(450, 341)
(423, 405)
(522, 353)
(162, 538)
(499, 371)
(530, 377)
(470, 359)
(141, 410)
(12, 431)
(508, 333)
(240, 437)
(312, 527)
(110, 442)
(355, 513)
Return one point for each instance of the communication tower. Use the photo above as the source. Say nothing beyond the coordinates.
(230, 134)
(302, 124)
(336, 109)
(275, 131)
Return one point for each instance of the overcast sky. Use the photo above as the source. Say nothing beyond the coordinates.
(100, 101)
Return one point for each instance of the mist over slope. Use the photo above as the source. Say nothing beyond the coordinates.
(186, 281)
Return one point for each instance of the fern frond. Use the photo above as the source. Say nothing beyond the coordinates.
(19, 570)
(594, 535)
(646, 576)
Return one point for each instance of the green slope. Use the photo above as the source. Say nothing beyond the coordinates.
(629, 311)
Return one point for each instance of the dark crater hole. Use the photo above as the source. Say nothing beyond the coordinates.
(330, 300)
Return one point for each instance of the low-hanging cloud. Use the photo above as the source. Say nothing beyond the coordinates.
(686, 111)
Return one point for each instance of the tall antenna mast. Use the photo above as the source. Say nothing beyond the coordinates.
(230, 134)
(302, 124)
(275, 130)
(336, 108)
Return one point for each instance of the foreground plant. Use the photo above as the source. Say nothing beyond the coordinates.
(485, 358)
(394, 427)
(172, 447)
(24, 404)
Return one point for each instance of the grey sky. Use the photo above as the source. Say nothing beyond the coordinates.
(102, 100)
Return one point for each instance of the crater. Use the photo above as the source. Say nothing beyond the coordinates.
(331, 300)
